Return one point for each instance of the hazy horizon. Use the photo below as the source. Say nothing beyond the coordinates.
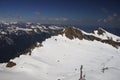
(77, 12)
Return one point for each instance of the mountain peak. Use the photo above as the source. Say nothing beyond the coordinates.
(71, 33)
(105, 35)
(100, 31)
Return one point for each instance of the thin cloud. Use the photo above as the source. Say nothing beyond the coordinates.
(115, 14)
(104, 10)
(59, 20)
(110, 18)
(56, 19)
(37, 13)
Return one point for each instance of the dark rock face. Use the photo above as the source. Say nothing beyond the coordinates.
(100, 31)
(111, 42)
(72, 33)
(4, 40)
(91, 38)
(10, 64)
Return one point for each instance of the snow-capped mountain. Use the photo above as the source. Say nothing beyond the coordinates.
(19, 38)
(103, 34)
(60, 55)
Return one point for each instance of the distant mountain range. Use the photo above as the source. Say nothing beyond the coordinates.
(19, 38)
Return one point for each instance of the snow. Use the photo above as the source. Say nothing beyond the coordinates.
(61, 58)
(29, 23)
(24, 29)
(54, 27)
(2, 32)
(15, 22)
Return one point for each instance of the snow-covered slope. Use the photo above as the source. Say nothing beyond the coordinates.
(60, 59)
(103, 34)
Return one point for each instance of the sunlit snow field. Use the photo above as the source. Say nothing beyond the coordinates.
(61, 58)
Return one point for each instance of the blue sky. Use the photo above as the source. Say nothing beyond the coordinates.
(79, 12)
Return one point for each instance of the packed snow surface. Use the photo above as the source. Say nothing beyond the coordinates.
(60, 59)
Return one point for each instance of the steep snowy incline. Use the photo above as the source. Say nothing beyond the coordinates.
(60, 59)
(103, 34)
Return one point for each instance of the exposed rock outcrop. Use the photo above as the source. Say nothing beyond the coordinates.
(72, 33)
(10, 64)
(100, 31)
